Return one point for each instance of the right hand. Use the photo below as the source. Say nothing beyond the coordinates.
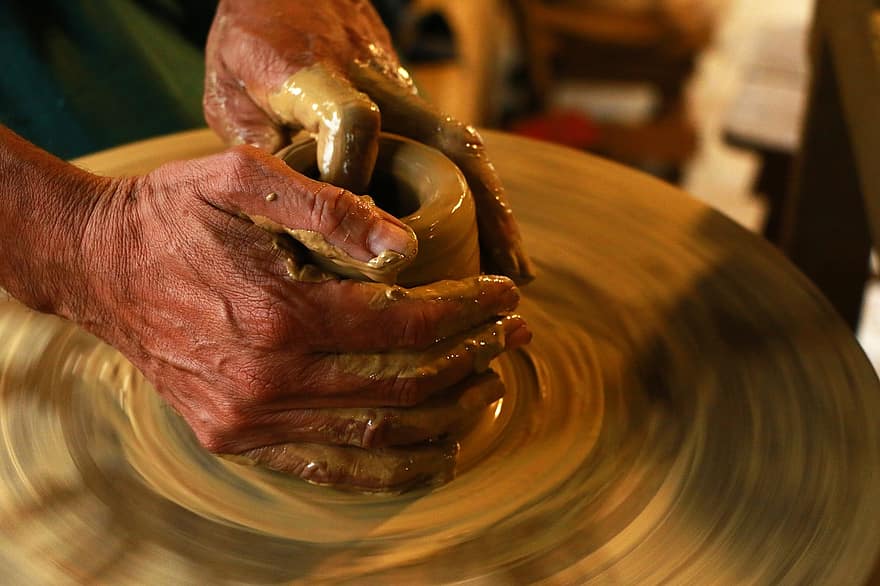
(274, 67)
(200, 301)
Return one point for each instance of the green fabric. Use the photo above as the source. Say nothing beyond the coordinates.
(79, 76)
(83, 75)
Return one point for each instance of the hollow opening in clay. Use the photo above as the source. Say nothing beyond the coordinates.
(427, 192)
(393, 194)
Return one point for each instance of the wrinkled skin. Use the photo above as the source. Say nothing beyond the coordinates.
(269, 62)
(383, 467)
(200, 301)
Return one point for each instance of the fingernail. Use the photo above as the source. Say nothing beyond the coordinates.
(518, 337)
(386, 236)
(516, 332)
(511, 323)
(509, 299)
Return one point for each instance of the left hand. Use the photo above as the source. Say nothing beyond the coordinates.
(332, 380)
(278, 66)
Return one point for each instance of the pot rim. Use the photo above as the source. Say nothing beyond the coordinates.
(432, 177)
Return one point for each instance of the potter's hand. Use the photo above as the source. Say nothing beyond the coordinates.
(277, 66)
(202, 302)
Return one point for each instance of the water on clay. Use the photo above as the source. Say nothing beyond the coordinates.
(689, 411)
(427, 192)
(395, 198)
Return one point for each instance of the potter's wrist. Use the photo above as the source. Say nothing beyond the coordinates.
(45, 210)
(54, 273)
(87, 248)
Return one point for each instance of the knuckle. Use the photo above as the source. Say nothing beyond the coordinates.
(328, 206)
(241, 156)
(218, 435)
(243, 163)
(213, 441)
(224, 430)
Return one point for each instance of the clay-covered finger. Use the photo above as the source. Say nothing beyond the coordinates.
(345, 121)
(404, 112)
(407, 378)
(376, 317)
(375, 427)
(353, 468)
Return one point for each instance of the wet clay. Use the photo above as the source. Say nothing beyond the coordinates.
(405, 113)
(325, 104)
(433, 200)
(452, 411)
(689, 411)
(477, 347)
(436, 204)
(328, 260)
(383, 470)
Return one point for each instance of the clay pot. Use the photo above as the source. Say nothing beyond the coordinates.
(427, 192)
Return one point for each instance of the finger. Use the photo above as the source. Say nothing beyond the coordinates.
(403, 378)
(345, 121)
(447, 413)
(231, 113)
(329, 220)
(383, 470)
(406, 113)
(377, 318)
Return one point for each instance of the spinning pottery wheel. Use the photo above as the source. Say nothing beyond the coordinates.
(689, 411)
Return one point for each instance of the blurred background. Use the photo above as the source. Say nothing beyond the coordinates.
(708, 94)
(662, 85)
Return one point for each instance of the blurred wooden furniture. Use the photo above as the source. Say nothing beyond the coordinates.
(463, 88)
(767, 114)
(600, 40)
(833, 214)
(590, 39)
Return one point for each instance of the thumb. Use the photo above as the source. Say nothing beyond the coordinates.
(338, 226)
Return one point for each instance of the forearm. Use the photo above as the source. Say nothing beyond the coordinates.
(45, 208)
